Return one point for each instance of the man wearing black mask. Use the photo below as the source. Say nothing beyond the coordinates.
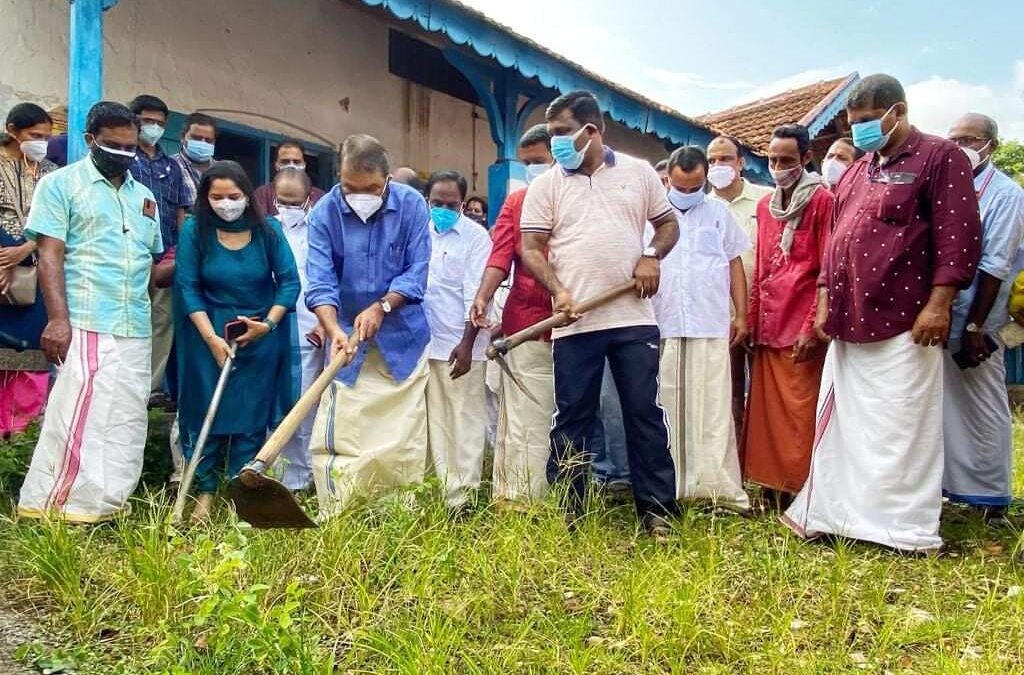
(97, 230)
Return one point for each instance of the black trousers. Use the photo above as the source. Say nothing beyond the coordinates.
(632, 354)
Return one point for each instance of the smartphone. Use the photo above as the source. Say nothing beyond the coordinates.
(961, 358)
(315, 340)
(236, 329)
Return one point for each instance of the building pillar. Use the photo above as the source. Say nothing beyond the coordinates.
(500, 91)
(85, 68)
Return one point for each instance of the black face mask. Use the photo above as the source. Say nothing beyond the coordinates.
(109, 164)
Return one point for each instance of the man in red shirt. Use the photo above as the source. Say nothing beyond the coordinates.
(521, 449)
(793, 225)
(907, 236)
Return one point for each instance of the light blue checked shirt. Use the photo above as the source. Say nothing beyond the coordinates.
(1002, 222)
(109, 245)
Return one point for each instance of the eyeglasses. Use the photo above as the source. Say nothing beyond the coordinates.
(969, 140)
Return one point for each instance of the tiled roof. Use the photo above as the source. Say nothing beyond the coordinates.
(752, 123)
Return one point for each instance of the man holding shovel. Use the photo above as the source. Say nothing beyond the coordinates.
(589, 213)
(369, 253)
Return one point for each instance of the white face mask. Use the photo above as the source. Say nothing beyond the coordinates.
(229, 210)
(365, 205)
(290, 216)
(34, 151)
(972, 154)
(832, 170)
(721, 176)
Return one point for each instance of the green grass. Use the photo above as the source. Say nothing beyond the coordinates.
(396, 586)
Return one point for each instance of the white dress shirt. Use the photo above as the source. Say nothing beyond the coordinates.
(457, 261)
(694, 299)
(298, 240)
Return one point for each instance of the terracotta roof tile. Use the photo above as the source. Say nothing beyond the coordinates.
(753, 123)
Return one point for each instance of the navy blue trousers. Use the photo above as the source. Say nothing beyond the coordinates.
(632, 354)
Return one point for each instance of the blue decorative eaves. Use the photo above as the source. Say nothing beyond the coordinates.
(835, 105)
(465, 27)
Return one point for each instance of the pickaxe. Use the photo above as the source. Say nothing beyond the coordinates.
(497, 349)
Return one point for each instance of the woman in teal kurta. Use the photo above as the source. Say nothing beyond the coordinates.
(231, 263)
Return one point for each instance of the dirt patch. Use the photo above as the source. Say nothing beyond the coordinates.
(16, 629)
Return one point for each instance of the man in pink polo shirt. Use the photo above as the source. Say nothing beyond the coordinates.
(589, 213)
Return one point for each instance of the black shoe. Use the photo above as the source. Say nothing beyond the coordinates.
(573, 521)
(656, 525)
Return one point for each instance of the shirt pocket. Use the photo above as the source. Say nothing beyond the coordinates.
(394, 258)
(707, 248)
(897, 203)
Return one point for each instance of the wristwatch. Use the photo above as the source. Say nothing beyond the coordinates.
(271, 324)
(650, 252)
(385, 305)
(972, 328)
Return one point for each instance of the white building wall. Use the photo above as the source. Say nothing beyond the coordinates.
(319, 64)
(301, 61)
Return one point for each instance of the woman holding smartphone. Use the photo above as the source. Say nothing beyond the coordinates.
(233, 265)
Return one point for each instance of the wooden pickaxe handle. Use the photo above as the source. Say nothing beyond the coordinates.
(536, 330)
(293, 420)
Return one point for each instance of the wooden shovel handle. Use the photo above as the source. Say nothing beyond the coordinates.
(306, 403)
(536, 330)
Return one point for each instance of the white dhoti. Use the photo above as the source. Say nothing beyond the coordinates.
(876, 468)
(977, 429)
(695, 380)
(295, 466)
(88, 459)
(371, 436)
(456, 428)
(523, 446)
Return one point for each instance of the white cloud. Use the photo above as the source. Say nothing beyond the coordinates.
(674, 78)
(937, 102)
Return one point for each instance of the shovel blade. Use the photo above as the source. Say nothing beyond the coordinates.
(263, 502)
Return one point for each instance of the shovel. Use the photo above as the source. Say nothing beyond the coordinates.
(204, 433)
(262, 501)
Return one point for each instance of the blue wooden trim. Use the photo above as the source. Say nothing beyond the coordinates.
(85, 68)
(465, 27)
(835, 106)
(536, 100)
(481, 79)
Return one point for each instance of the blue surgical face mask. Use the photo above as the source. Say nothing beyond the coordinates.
(444, 218)
(563, 149)
(684, 201)
(198, 151)
(868, 136)
(533, 171)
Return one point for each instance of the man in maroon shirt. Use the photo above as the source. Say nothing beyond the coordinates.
(907, 236)
(521, 450)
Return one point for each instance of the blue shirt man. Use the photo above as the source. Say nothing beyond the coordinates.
(353, 264)
(976, 422)
(1001, 202)
(366, 272)
(162, 175)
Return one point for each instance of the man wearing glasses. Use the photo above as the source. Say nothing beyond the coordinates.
(907, 237)
(976, 421)
(162, 175)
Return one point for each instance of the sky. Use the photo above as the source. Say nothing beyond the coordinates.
(701, 56)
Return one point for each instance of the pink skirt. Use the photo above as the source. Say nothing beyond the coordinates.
(22, 397)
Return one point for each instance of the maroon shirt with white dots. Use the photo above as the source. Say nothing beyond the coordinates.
(900, 229)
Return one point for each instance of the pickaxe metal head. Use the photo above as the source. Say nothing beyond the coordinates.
(498, 355)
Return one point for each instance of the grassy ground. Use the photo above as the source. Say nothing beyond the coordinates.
(397, 587)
